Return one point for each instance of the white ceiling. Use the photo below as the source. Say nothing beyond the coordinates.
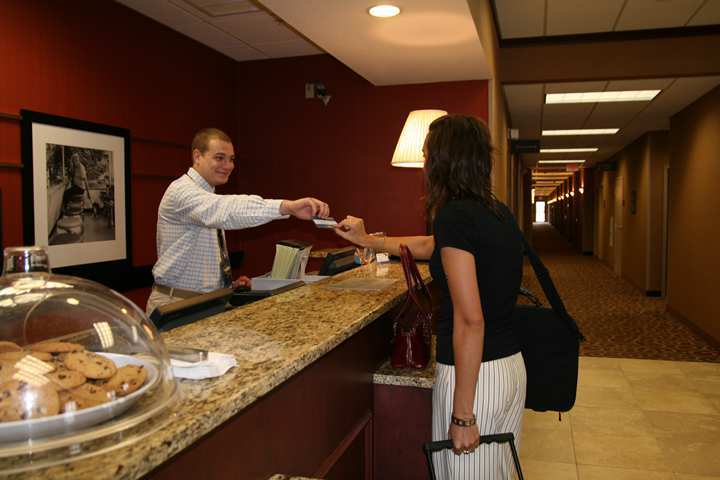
(537, 18)
(430, 41)
(531, 115)
(238, 28)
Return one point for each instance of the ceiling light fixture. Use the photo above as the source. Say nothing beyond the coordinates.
(561, 161)
(581, 131)
(594, 97)
(569, 150)
(384, 11)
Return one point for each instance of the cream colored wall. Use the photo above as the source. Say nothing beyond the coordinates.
(633, 168)
(484, 23)
(659, 147)
(640, 167)
(693, 225)
(587, 201)
(605, 187)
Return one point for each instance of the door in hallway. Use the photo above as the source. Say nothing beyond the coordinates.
(619, 208)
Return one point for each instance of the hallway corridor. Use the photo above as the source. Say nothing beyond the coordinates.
(617, 319)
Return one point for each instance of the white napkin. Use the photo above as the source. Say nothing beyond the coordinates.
(217, 364)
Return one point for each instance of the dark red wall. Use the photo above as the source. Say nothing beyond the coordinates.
(102, 62)
(290, 147)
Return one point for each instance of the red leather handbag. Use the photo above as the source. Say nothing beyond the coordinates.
(412, 325)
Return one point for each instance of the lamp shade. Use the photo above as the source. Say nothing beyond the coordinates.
(408, 152)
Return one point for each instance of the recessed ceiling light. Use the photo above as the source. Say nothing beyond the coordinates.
(568, 150)
(582, 131)
(561, 161)
(593, 97)
(384, 11)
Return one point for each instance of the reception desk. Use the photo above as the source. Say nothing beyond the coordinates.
(300, 401)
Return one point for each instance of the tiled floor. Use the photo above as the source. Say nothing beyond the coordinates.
(633, 420)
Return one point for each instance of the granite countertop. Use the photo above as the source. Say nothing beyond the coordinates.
(272, 339)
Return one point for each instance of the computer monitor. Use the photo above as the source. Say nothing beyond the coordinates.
(339, 261)
(189, 310)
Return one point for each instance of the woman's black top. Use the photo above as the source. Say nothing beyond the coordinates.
(495, 243)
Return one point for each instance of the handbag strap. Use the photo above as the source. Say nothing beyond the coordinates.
(414, 281)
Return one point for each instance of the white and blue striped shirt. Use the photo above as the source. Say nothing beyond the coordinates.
(188, 218)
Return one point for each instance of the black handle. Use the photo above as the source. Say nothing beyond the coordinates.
(432, 447)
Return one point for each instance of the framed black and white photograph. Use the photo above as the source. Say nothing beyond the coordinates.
(76, 189)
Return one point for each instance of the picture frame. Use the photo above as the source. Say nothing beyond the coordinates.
(76, 193)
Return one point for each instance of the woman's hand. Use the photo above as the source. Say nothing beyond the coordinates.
(353, 230)
(464, 439)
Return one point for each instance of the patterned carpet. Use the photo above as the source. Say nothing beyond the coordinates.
(617, 319)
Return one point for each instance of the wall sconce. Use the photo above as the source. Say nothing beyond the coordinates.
(582, 190)
(408, 151)
(572, 193)
(317, 90)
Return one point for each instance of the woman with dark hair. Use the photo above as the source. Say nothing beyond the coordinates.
(475, 257)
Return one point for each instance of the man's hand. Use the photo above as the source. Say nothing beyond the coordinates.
(305, 208)
(353, 230)
(241, 281)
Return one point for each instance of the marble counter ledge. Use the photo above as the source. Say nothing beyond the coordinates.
(408, 377)
(424, 378)
(272, 339)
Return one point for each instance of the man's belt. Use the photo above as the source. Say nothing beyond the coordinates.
(175, 292)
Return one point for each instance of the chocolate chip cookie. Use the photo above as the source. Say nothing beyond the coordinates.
(22, 401)
(90, 364)
(57, 347)
(127, 380)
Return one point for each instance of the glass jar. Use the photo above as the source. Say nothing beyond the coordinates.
(25, 260)
(367, 254)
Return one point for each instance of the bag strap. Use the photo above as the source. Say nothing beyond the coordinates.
(415, 284)
(543, 276)
(547, 285)
(417, 281)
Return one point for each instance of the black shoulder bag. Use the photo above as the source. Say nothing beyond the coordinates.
(550, 342)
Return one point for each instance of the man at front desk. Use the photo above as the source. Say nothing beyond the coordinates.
(191, 249)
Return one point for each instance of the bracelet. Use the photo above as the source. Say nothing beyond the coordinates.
(460, 422)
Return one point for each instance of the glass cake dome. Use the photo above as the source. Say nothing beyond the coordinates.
(82, 370)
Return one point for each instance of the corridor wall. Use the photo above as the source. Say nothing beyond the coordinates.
(693, 225)
(630, 212)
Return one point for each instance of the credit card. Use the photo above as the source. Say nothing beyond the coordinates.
(327, 222)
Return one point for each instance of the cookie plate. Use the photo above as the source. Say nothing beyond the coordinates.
(74, 421)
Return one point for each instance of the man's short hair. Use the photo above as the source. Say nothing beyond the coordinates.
(201, 140)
